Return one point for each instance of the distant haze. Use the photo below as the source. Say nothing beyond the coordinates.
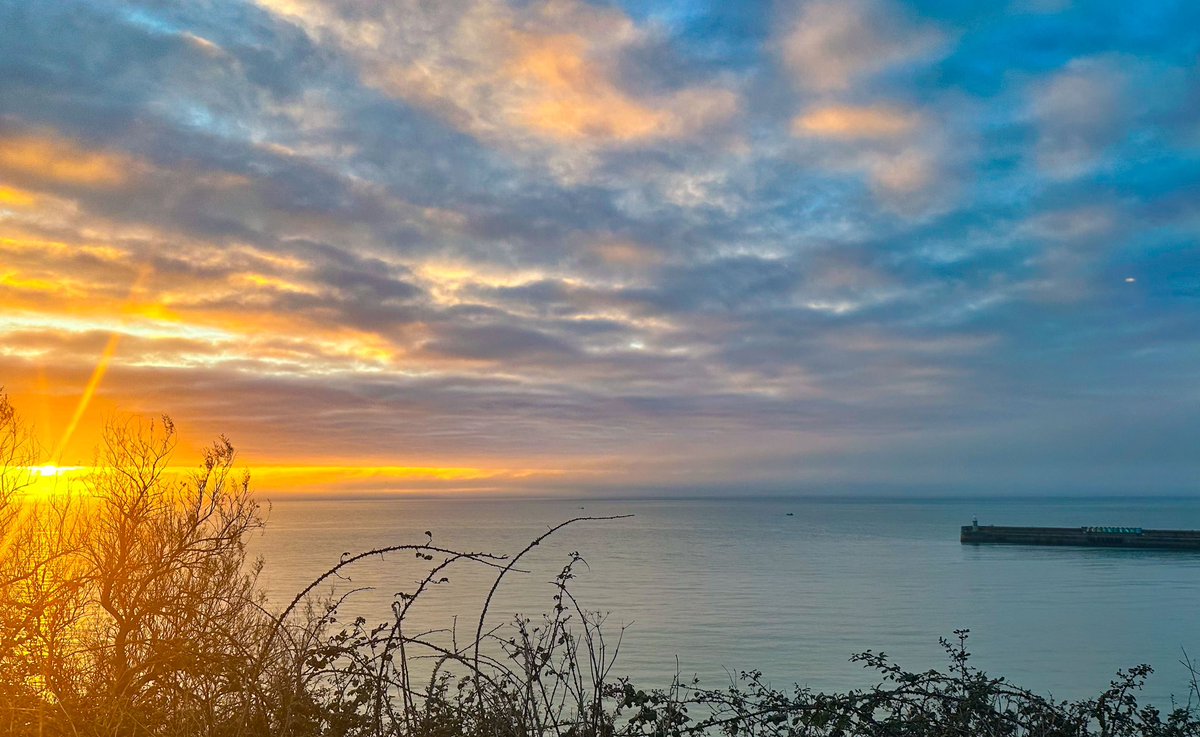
(612, 247)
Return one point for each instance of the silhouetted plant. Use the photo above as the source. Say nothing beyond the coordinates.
(554, 677)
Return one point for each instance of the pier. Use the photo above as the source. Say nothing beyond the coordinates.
(1085, 537)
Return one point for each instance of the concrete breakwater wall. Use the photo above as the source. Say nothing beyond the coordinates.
(1091, 537)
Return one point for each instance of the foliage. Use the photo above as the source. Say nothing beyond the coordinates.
(133, 608)
(132, 605)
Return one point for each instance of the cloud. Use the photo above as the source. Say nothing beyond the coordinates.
(498, 72)
(14, 197)
(497, 343)
(906, 158)
(834, 44)
(556, 235)
(848, 122)
(626, 254)
(573, 99)
(47, 157)
(1080, 112)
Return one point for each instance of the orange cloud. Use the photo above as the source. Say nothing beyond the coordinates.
(12, 197)
(49, 157)
(48, 479)
(393, 478)
(850, 122)
(571, 99)
(12, 280)
(265, 281)
(568, 96)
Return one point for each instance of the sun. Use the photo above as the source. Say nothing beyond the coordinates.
(47, 479)
(50, 470)
(51, 478)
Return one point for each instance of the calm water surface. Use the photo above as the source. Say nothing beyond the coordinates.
(714, 586)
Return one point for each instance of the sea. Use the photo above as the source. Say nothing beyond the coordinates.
(791, 587)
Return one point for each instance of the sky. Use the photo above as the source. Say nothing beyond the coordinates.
(612, 247)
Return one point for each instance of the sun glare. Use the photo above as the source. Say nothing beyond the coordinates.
(50, 478)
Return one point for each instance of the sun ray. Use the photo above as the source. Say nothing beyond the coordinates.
(106, 356)
(85, 399)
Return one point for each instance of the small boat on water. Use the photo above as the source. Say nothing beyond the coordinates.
(1087, 537)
